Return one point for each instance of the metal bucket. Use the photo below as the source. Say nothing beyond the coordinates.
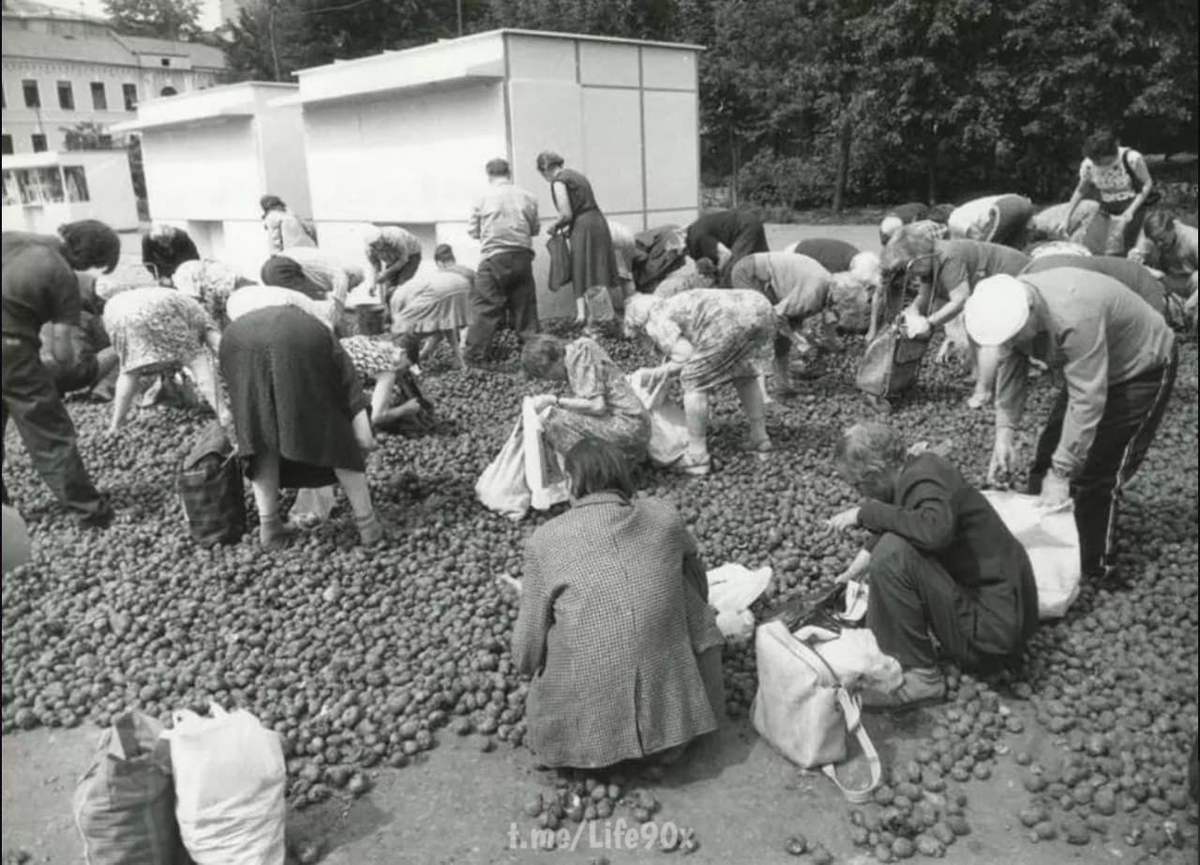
(371, 320)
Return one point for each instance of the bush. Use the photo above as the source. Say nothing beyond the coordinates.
(788, 181)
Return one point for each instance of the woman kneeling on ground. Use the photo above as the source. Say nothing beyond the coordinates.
(940, 559)
(710, 336)
(299, 412)
(604, 406)
(614, 625)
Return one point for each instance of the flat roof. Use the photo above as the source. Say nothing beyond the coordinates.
(50, 158)
(192, 106)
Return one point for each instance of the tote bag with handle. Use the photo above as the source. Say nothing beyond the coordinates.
(804, 712)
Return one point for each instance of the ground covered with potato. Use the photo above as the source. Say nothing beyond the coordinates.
(365, 660)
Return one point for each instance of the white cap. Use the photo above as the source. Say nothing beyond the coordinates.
(997, 310)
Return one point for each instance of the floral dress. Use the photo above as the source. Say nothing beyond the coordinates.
(210, 282)
(591, 373)
(155, 328)
(732, 332)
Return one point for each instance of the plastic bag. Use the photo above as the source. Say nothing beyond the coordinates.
(855, 658)
(124, 805)
(502, 487)
(312, 506)
(731, 590)
(1052, 542)
(668, 423)
(599, 305)
(543, 475)
(229, 788)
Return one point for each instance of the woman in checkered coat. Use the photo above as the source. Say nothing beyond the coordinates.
(614, 625)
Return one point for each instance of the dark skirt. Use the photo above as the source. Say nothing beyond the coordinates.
(292, 391)
(593, 259)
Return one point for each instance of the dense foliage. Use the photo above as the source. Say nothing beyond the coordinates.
(162, 19)
(812, 102)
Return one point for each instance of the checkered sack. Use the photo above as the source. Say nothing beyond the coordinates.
(209, 481)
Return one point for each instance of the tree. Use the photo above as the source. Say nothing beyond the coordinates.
(87, 135)
(163, 19)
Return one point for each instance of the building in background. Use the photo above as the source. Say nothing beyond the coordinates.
(62, 68)
(209, 156)
(45, 190)
(403, 137)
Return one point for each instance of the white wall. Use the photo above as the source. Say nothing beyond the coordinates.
(204, 171)
(282, 158)
(408, 158)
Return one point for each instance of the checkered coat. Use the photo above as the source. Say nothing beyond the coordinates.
(610, 628)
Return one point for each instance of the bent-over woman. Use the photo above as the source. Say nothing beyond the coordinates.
(614, 625)
(603, 405)
(153, 330)
(710, 336)
(299, 413)
(434, 307)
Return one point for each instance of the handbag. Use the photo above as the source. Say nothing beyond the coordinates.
(560, 261)
(209, 481)
(892, 361)
(804, 711)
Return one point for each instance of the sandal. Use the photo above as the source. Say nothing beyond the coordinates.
(690, 465)
(762, 450)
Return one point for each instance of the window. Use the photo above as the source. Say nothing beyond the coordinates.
(40, 185)
(66, 96)
(6, 144)
(12, 192)
(75, 180)
(129, 91)
(99, 96)
(33, 99)
(39, 142)
(168, 91)
(166, 61)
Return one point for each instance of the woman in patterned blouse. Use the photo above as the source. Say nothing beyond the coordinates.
(1119, 179)
(604, 406)
(614, 626)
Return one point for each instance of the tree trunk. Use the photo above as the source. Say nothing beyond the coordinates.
(932, 173)
(845, 139)
(736, 158)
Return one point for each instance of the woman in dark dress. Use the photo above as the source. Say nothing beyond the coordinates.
(594, 271)
(725, 237)
(300, 414)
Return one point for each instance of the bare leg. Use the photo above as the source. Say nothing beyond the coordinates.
(127, 386)
(206, 382)
(580, 310)
(381, 397)
(370, 530)
(750, 392)
(452, 337)
(431, 345)
(696, 411)
(272, 532)
(985, 367)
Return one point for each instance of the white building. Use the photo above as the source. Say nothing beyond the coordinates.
(210, 155)
(403, 137)
(63, 68)
(45, 190)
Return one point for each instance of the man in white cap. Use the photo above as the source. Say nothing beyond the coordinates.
(1118, 359)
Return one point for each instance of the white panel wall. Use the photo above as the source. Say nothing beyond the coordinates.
(282, 156)
(613, 147)
(609, 64)
(207, 171)
(408, 159)
(538, 58)
(672, 154)
(668, 69)
(545, 116)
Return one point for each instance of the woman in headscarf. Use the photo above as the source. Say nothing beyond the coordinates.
(709, 337)
(593, 260)
(164, 248)
(154, 329)
(299, 413)
(614, 625)
(284, 228)
(210, 282)
(602, 405)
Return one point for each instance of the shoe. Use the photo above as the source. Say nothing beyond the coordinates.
(370, 531)
(101, 518)
(761, 449)
(695, 466)
(922, 686)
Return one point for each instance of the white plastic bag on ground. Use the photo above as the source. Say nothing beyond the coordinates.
(502, 487)
(1052, 541)
(312, 506)
(229, 788)
(731, 590)
(544, 475)
(668, 424)
(854, 655)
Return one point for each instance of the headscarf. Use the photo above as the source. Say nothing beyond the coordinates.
(638, 310)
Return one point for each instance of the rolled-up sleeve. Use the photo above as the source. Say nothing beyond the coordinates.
(1012, 384)
(1086, 375)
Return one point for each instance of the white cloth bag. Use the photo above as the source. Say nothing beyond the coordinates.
(1052, 542)
(230, 778)
(668, 423)
(501, 487)
(548, 485)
